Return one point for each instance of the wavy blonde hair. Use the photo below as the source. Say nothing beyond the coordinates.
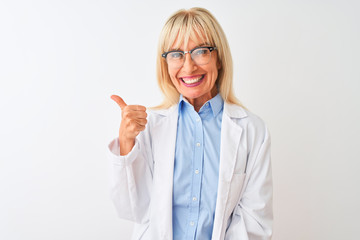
(191, 24)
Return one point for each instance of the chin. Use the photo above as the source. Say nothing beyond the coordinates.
(193, 95)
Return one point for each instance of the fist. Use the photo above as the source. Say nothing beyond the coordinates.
(133, 121)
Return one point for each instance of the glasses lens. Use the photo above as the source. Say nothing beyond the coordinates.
(201, 56)
(175, 59)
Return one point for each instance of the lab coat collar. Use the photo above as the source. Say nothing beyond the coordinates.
(167, 111)
(234, 111)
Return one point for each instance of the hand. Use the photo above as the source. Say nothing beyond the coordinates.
(133, 121)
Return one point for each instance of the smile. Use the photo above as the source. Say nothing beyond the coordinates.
(191, 81)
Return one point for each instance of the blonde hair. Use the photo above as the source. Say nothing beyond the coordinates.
(190, 24)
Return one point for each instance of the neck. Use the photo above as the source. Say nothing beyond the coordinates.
(199, 102)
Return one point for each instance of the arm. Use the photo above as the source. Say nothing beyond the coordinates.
(131, 179)
(131, 160)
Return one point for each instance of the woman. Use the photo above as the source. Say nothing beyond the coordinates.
(198, 166)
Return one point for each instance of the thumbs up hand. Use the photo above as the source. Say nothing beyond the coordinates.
(132, 123)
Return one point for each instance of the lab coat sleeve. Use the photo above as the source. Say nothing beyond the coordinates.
(131, 179)
(253, 216)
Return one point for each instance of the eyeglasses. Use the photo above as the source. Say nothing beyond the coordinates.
(200, 55)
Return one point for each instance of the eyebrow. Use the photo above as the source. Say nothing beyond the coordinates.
(200, 45)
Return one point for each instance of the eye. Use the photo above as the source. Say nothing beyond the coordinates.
(201, 51)
(175, 55)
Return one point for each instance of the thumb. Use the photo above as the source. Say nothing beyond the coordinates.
(119, 101)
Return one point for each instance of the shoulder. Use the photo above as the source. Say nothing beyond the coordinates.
(246, 119)
(158, 115)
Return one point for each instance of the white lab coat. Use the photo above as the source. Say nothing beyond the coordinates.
(143, 180)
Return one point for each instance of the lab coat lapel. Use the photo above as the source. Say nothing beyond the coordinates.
(164, 139)
(230, 139)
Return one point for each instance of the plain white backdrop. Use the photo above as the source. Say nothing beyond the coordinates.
(296, 66)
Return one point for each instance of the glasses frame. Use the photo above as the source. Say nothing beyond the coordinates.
(164, 55)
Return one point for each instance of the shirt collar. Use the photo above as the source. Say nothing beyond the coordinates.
(216, 104)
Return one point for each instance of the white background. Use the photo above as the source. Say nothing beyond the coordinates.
(297, 65)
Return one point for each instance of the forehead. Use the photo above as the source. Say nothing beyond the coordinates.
(187, 37)
(188, 44)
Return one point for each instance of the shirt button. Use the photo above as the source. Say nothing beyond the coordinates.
(192, 223)
(196, 171)
(198, 119)
(194, 198)
(198, 144)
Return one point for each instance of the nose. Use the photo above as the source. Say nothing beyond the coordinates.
(189, 64)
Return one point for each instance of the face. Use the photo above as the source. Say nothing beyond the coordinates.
(196, 83)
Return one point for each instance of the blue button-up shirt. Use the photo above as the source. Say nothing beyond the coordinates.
(196, 169)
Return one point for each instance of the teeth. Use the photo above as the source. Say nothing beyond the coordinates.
(193, 80)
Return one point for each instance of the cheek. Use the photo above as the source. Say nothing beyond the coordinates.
(172, 75)
(214, 75)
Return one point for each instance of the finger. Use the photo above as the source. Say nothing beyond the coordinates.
(136, 108)
(140, 128)
(141, 122)
(137, 123)
(119, 101)
(128, 114)
(140, 115)
(134, 126)
(140, 108)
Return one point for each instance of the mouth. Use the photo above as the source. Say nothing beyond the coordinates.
(192, 81)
